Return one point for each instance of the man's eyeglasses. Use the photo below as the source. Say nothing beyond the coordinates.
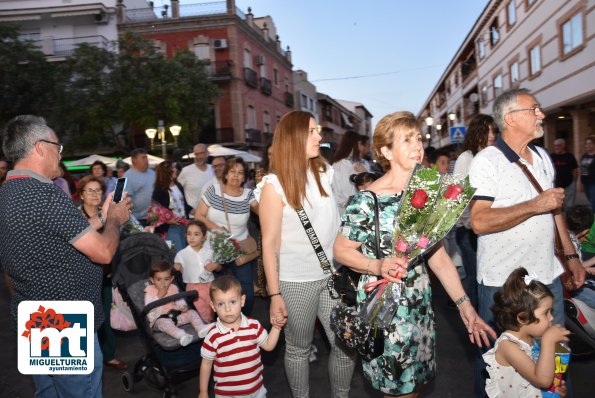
(93, 191)
(536, 110)
(60, 146)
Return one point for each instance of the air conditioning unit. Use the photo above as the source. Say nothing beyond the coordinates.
(219, 43)
(259, 60)
(102, 18)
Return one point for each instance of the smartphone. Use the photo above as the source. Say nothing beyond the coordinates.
(119, 191)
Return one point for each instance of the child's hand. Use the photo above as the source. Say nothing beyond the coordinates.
(279, 322)
(203, 394)
(184, 309)
(555, 333)
(211, 266)
(561, 389)
(178, 267)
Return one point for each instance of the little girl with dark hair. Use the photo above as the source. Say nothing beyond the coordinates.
(523, 309)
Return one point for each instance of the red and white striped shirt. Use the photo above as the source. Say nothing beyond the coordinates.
(236, 356)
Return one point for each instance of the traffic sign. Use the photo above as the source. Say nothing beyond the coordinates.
(457, 134)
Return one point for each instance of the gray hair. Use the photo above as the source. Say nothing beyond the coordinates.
(504, 104)
(21, 134)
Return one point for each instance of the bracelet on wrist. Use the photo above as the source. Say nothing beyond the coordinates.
(569, 257)
(274, 294)
(460, 301)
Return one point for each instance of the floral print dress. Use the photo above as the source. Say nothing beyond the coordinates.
(408, 361)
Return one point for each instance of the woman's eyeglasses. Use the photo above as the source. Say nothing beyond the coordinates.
(93, 191)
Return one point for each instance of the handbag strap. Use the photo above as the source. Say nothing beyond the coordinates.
(376, 224)
(225, 209)
(558, 243)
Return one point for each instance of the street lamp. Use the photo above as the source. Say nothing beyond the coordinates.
(429, 123)
(160, 133)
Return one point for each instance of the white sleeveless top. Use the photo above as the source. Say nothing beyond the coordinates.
(505, 381)
(297, 260)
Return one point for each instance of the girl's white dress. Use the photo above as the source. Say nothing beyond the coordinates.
(505, 381)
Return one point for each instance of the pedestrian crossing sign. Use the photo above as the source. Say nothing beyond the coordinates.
(457, 134)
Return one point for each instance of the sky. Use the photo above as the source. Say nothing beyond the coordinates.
(397, 48)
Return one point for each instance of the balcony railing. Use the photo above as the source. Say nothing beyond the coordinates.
(65, 46)
(220, 70)
(186, 10)
(265, 86)
(250, 77)
(289, 99)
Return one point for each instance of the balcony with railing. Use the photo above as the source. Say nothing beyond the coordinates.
(289, 99)
(250, 77)
(220, 70)
(148, 14)
(65, 47)
(265, 86)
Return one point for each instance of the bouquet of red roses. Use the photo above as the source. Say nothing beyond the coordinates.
(429, 208)
(225, 248)
(159, 215)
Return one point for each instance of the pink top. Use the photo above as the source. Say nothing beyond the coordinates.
(151, 295)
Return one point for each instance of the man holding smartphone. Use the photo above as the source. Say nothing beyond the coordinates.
(47, 247)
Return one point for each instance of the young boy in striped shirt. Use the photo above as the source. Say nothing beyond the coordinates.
(233, 344)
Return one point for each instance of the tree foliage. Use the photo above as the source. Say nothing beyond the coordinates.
(97, 94)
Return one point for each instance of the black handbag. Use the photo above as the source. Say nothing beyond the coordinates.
(349, 327)
(343, 283)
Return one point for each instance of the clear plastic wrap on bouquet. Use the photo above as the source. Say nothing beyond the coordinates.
(429, 208)
(225, 248)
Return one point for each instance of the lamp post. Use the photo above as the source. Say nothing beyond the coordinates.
(429, 123)
(160, 133)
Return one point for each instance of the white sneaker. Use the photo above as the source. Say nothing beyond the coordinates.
(185, 340)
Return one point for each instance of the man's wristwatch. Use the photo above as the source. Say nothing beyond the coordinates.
(569, 257)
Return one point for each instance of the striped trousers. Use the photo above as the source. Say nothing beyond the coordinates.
(304, 302)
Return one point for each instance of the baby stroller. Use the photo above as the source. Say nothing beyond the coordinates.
(165, 363)
(580, 320)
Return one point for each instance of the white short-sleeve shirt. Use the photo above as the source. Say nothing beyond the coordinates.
(193, 263)
(298, 261)
(529, 244)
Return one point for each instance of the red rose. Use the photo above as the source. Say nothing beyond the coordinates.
(419, 199)
(453, 191)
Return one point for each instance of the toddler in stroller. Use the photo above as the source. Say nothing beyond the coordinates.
(167, 317)
(166, 361)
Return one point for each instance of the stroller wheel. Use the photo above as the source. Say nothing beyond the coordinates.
(127, 381)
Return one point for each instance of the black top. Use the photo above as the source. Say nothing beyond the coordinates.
(564, 163)
(588, 169)
(162, 197)
(38, 224)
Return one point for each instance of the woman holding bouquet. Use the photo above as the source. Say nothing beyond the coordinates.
(295, 277)
(408, 362)
(168, 192)
(227, 206)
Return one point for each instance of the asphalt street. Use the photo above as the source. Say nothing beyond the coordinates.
(454, 355)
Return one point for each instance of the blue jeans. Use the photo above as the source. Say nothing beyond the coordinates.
(177, 234)
(467, 241)
(486, 300)
(75, 386)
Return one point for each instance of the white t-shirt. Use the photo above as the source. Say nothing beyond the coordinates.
(343, 189)
(529, 244)
(194, 264)
(462, 166)
(238, 210)
(193, 179)
(298, 261)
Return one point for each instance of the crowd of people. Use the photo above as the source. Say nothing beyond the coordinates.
(320, 215)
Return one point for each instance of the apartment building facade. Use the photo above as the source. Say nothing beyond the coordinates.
(58, 26)
(547, 47)
(251, 70)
